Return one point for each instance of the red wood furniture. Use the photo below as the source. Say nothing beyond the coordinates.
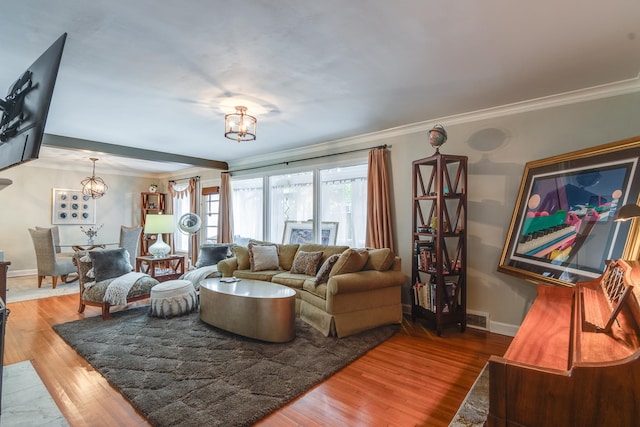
(161, 269)
(565, 367)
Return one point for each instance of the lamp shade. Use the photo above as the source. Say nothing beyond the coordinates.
(159, 224)
(627, 212)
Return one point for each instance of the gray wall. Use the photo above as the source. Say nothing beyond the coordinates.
(498, 149)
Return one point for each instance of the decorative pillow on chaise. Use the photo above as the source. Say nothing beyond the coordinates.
(109, 263)
(211, 254)
(306, 263)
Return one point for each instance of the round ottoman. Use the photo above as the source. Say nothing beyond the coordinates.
(173, 298)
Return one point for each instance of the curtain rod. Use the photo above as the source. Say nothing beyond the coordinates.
(182, 179)
(307, 158)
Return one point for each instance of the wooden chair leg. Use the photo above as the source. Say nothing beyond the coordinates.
(105, 311)
(54, 281)
(81, 307)
(40, 281)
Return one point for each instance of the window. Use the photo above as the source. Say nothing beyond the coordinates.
(343, 199)
(290, 199)
(248, 209)
(211, 203)
(337, 194)
(181, 206)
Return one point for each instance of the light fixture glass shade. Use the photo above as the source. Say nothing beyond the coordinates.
(627, 212)
(159, 224)
(93, 186)
(240, 126)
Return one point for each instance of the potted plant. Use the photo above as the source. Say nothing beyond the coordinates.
(153, 188)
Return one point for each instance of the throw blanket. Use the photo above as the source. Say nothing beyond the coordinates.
(116, 293)
(195, 276)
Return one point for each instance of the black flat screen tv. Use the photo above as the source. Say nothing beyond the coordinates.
(24, 110)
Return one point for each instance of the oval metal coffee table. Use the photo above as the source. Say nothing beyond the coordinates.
(251, 308)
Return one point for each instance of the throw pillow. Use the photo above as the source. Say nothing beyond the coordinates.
(350, 261)
(325, 269)
(110, 263)
(263, 257)
(380, 259)
(211, 254)
(306, 263)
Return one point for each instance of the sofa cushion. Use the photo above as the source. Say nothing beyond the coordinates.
(380, 259)
(327, 250)
(325, 269)
(291, 280)
(265, 275)
(350, 261)
(286, 255)
(306, 263)
(211, 254)
(110, 263)
(263, 257)
(242, 256)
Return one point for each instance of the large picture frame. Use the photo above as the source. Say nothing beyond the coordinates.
(562, 230)
(71, 207)
(302, 232)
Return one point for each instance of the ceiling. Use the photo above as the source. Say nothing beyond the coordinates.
(161, 76)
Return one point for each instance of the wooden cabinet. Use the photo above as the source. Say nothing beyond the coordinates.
(150, 203)
(439, 272)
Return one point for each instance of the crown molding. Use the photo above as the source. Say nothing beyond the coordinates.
(609, 90)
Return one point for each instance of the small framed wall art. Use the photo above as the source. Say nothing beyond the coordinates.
(71, 207)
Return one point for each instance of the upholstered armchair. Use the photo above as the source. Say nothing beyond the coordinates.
(130, 240)
(105, 279)
(55, 231)
(48, 262)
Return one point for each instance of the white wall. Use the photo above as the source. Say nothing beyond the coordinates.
(27, 203)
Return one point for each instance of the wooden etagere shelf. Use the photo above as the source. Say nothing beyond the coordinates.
(439, 279)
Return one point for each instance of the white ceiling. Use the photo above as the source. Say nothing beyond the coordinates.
(161, 75)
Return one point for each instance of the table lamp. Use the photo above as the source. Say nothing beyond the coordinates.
(159, 224)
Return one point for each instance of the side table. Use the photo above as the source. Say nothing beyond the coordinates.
(162, 269)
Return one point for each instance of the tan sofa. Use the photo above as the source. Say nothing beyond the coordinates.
(362, 290)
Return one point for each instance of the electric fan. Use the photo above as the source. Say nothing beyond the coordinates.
(189, 223)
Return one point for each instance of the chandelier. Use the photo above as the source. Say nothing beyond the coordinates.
(93, 186)
(240, 126)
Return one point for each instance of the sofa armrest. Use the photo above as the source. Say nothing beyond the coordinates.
(363, 281)
(227, 266)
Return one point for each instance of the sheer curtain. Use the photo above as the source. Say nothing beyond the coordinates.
(379, 224)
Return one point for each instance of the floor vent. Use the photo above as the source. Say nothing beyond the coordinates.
(478, 320)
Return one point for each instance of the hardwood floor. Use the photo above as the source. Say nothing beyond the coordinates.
(414, 378)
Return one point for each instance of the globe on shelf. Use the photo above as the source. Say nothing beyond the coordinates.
(437, 136)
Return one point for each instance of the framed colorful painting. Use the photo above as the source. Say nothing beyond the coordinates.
(562, 230)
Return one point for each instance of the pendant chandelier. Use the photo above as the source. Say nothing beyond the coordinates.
(240, 126)
(94, 186)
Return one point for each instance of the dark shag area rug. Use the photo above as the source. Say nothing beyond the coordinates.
(183, 372)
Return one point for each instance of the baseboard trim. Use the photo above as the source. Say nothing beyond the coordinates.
(18, 273)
